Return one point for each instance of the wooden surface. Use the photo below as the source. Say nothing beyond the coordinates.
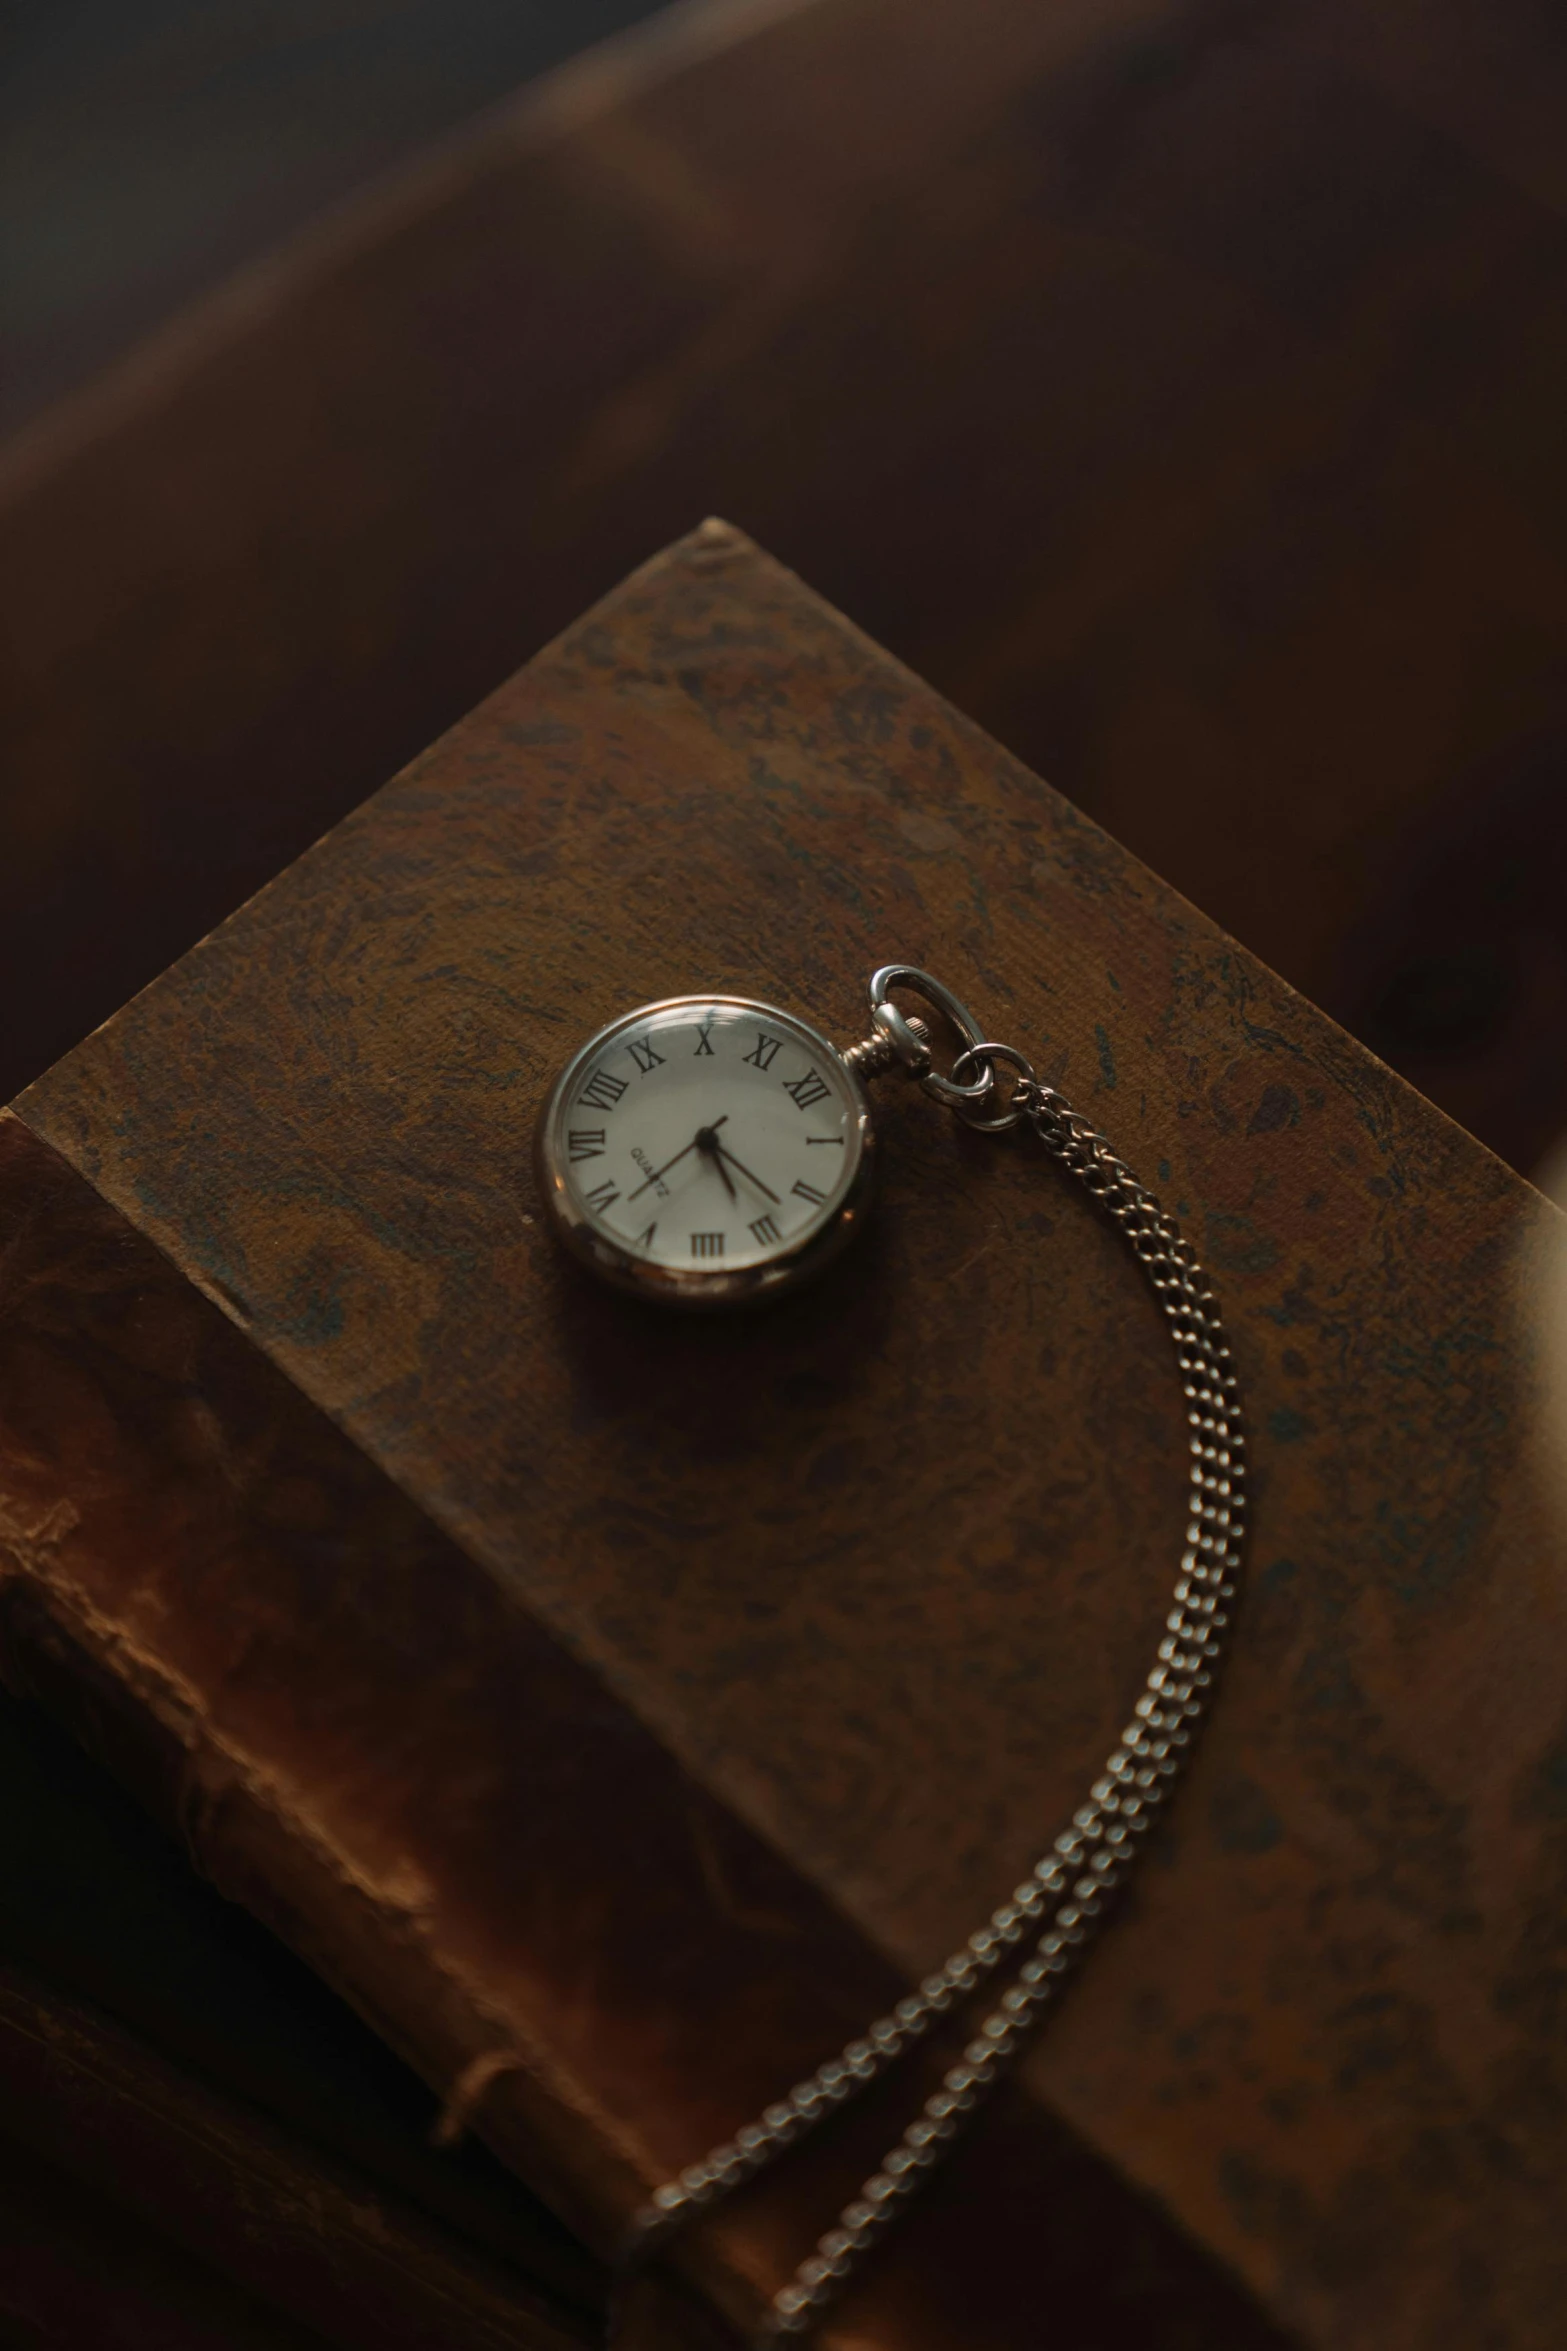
(1176, 383)
(814, 1623)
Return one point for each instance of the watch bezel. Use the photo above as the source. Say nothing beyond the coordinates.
(700, 1287)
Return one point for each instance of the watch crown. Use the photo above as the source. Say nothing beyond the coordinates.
(876, 1053)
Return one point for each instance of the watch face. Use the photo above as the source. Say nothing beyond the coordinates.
(706, 1149)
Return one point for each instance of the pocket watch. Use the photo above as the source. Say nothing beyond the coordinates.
(713, 1150)
(710, 1150)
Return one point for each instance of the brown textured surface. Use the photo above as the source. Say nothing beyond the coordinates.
(360, 1737)
(880, 1568)
(1176, 383)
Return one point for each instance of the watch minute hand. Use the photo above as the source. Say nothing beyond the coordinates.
(669, 1163)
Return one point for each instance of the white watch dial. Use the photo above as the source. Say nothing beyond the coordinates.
(707, 1136)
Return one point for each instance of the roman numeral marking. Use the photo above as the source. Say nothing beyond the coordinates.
(707, 1244)
(765, 1231)
(805, 1191)
(601, 1197)
(585, 1143)
(645, 1240)
(646, 1057)
(806, 1090)
(602, 1091)
(704, 1041)
(765, 1051)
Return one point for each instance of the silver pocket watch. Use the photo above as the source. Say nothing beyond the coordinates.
(712, 1150)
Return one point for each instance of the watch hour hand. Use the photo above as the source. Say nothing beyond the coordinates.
(695, 1144)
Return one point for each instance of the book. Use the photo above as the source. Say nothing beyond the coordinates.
(225, 2139)
(618, 1710)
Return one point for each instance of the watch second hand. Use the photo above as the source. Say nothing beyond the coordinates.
(724, 1152)
(669, 1163)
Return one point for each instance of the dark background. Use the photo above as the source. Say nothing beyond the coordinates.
(1179, 388)
(150, 146)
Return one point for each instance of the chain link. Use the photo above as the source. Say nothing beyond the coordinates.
(1070, 1886)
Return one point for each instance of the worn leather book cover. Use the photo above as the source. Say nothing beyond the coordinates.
(622, 1709)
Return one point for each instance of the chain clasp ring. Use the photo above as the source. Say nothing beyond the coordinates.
(985, 1057)
(908, 1045)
